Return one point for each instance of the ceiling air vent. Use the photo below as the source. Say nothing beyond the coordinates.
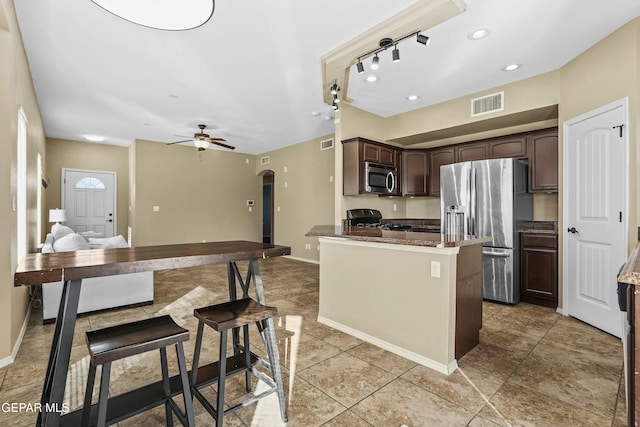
(487, 104)
(264, 160)
(326, 144)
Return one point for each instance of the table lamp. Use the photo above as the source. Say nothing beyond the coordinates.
(57, 215)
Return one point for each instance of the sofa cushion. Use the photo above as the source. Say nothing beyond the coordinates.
(108, 242)
(59, 230)
(70, 242)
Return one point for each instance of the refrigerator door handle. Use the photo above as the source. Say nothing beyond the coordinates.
(473, 202)
(491, 253)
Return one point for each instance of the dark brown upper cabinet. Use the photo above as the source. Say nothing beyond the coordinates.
(469, 152)
(510, 146)
(355, 152)
(543, 161)
(415, 173)
(439, 157)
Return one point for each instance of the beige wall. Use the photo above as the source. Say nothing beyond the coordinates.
(202, 195)
(90, 156)
(304, 193)
(607, 72)
(16, 90)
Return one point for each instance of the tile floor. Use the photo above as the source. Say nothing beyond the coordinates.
(533, 366)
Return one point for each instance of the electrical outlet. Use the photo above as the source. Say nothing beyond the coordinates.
(156, 208)
(435, 269)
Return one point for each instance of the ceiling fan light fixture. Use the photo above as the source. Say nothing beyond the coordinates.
(201, 143)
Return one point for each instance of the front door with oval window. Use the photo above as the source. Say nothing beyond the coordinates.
(89, 199)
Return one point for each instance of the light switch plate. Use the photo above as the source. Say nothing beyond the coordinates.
(435, 269)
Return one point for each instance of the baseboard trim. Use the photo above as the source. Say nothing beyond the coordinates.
(10, 359)
(422, 360)
(310, 261)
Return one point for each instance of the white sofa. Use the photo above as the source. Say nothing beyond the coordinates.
(97, 293)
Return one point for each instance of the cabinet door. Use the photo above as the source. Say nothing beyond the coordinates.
(370, 153)
(539, 270)
(543, 161)
(469, 152)
(507, 147)
(438, 157)
(415, 173)
(387, 156)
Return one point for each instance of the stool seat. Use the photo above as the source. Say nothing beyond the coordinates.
(120, 341)
(129, 339)
(234, 314)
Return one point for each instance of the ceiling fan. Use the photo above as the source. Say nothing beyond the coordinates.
(202, 140)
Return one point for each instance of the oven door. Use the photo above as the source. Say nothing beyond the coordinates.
(380, 179)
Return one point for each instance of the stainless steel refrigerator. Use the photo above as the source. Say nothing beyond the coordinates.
(492, 195)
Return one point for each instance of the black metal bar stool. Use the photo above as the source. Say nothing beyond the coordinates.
(129, 339)
(232, 315)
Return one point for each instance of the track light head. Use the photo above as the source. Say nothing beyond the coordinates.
(396, 54)
(335, 88)
(422, 39)
(375, 64)
(360, 67)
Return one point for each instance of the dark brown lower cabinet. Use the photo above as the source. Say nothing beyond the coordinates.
(539, 269)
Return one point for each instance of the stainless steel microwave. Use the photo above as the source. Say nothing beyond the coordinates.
(380, 179)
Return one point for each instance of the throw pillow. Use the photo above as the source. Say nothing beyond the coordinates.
(70, 242)
(108, 242)
(59, 230)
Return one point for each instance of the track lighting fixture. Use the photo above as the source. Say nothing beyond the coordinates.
(336, 98)
(384, 44)
(422, 39)
(375, 63)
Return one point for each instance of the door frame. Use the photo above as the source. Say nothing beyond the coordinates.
(115, 191)
(624, 104)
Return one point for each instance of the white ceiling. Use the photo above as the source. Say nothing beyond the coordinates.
(252, 74)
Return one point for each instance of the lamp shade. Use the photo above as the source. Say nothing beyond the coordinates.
(57, 215)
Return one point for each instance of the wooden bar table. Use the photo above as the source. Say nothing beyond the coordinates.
(72, 267)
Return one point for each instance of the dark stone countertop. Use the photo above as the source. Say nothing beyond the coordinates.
(435, 240)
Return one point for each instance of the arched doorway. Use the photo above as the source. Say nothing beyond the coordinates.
(267, 206)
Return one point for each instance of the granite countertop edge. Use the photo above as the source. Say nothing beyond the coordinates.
(394, 237)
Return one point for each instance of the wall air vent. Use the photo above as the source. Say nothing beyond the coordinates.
(487, 104)
(264, 160)
(326, 144)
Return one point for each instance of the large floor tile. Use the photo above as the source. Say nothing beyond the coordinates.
(401, 402)
(346, 378)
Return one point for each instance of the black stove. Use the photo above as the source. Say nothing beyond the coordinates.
(371, 218)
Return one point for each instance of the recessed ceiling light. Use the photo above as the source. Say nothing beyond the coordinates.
(94, 138)
(161, 15)
(478, 34)
(511, 67)
(371, 78)
(315, 113)
(413, 97)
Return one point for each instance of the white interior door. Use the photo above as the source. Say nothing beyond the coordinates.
(595, 214)
(89, 199)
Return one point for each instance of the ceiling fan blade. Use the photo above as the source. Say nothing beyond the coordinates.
(217, 139)
(213, 141)
(178, 142)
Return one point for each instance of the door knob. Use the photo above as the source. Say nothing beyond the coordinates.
(109, 220)
(572, 230)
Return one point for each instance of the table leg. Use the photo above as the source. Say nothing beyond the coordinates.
(272, 344)
(58, 365)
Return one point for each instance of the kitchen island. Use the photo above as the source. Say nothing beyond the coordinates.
(418, 295)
